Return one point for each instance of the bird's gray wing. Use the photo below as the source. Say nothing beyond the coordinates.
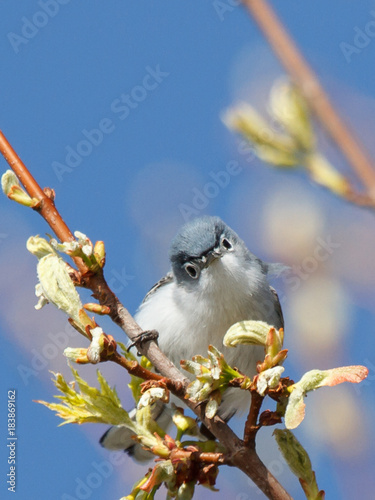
(120, 437)
(166, 279)
(278, 309)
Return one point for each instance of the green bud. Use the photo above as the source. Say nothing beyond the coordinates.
(198, 391)
(151, 396)
(99, 253)
(56, 284)
(136, 493)
(269, 379)
(275, 157)
(97, 308)
(12, 188)
(213, 404)
(184, 424)
(295, 410)
(96, 345)
(213, 375)
(77, 355)
(186, 491)
(68, 247)
(39, 247)
(274, 341)
(247, 332)
(290, 109)
(270, 146)
(193, 367)
(325, 174)
(294, 454)
(84, 243)
(8, 180)
(163, 471)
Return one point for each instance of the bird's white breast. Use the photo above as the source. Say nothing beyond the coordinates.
(189, 319)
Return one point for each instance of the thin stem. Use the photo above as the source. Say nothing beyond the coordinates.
(251, 426)
(212, 458)
(46, 206)
(134, 368)
(198, 456)
(293, 61)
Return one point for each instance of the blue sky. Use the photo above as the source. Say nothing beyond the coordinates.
(117, 106)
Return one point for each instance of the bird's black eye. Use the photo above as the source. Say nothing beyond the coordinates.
(192, 270)
(226, 243)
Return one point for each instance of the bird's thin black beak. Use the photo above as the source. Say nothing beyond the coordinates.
(214, 254)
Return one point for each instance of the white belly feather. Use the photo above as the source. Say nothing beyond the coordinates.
(189, 320)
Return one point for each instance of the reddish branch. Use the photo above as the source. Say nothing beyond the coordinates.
(238, 454)
(251, 426)
(134, 368)
(46, 206)
(303, 75)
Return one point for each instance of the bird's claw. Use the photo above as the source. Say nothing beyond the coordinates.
(143, 337)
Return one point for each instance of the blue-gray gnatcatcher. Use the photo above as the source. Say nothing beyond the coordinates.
(214, 282)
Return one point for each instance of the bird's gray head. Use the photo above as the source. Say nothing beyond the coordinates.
(200, 243)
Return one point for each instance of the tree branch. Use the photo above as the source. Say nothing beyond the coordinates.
(251, 426)
(46, 206)
(239, 455)
(293, 61)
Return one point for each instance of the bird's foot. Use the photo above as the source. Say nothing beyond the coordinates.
(142, 338)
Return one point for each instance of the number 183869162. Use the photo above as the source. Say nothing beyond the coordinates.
(11, 440)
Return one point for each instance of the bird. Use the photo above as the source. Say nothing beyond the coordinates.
(214, 281)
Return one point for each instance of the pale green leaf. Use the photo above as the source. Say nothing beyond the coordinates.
(247, 333)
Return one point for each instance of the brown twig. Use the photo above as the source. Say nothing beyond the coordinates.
(251, 426)
(134, 368)
(46, 206)
(212, 458)
(303, 75)
(240, 456)
(199, 456)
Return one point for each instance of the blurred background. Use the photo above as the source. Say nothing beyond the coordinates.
(118, 107)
